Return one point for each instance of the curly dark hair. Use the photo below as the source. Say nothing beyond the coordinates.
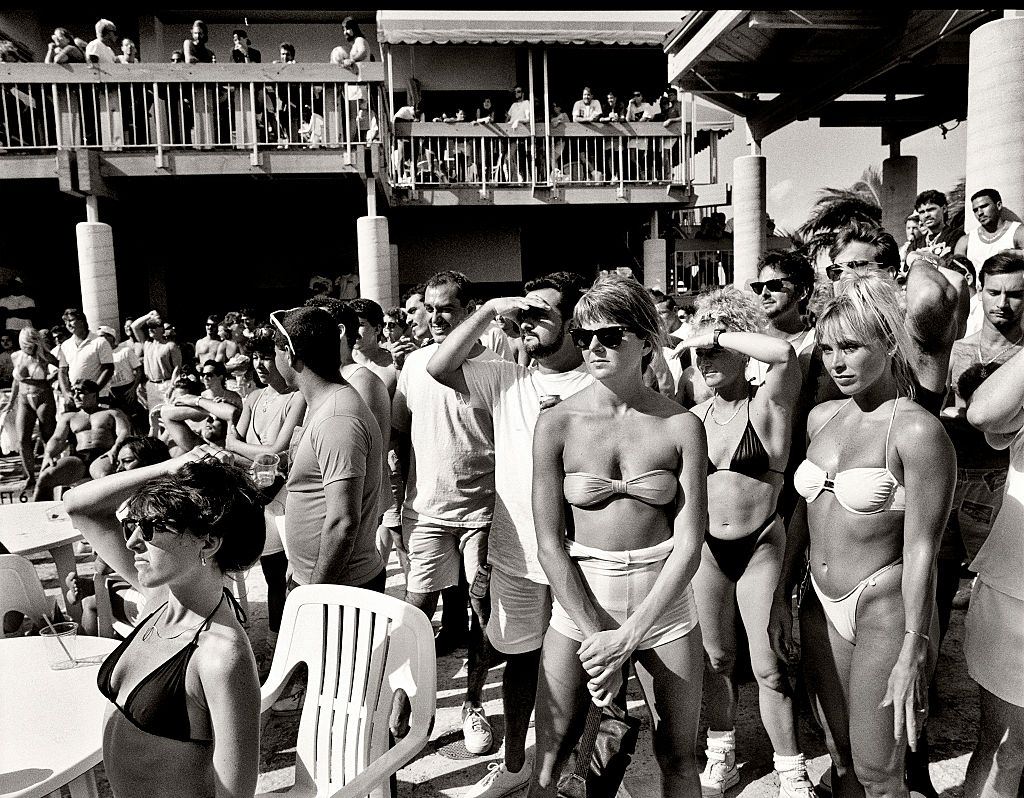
(210, 497)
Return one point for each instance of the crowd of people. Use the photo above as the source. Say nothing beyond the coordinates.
(591, 480)
(285, 113)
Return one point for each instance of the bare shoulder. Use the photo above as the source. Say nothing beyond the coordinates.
(821, 413)
(914, 426)
(224, 652)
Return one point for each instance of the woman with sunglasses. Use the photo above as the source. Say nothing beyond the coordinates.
(621, 579)
(876, 488)
(185, 698)
(186, 417)
(749, 431)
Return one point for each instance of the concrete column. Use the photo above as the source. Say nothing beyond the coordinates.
(749, 216)
(375, 280)
(899, 190)
(995, 107)
(655, 264)
(96, 270)
(395, 292)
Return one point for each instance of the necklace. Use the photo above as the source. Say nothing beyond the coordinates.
(736, 412)
(149, 632)
(981, 358)
(988, 237)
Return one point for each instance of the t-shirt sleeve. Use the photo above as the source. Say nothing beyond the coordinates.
(487, 380)
(62, 359)
(341, 445)
(400, 404)
(103, 351)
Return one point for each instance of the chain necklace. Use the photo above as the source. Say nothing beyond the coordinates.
(149, 632)
(999, 351)
(987, 237)
(736, 412)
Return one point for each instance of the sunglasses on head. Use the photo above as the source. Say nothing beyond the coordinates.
(775, 286)
(146, 527)
(279, 325)
(608, 337)
(835, 271)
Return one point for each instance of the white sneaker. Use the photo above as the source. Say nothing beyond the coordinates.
(476, 730)
(719, 774)
(500, 782)
(795, 784)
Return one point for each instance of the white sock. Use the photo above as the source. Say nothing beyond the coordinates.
(784, 763)
(722, 740)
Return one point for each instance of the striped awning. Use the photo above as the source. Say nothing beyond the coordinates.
(526, 27)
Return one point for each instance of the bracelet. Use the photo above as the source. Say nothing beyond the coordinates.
(918, 634)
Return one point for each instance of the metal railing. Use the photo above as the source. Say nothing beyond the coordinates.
(435, 153)
(197, 106)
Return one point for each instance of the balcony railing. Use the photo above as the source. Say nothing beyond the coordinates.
(197, 106)
(429, 154)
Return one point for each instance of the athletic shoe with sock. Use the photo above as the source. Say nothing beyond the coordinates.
(500, 782)
(795, 784)
(476, 730)
(721, 772)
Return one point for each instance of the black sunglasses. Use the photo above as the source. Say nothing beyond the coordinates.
(608, 337)
(835, 271)
(757, 286)
(146, 527)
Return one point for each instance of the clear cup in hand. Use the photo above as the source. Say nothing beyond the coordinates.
(264, 469)
(62, 644)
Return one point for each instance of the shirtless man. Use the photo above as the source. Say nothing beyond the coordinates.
(95, 435)
(208, 346)
(367, 350)
(160, 358)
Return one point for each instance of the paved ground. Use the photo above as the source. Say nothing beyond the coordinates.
(446, 769)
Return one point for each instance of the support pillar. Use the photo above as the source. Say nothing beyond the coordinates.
(749, 216)
(899, 190)
(395, 292)
(96, 269)
(995, 107)
(374, 247)
(655, 258)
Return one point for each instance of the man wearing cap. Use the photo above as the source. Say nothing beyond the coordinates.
(335, 476)
(127, 372)
(95, 435)
(160, 358)
(85, 355)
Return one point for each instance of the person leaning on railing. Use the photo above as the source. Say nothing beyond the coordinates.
(63, 49)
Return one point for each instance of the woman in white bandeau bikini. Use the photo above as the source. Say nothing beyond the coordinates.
(629, 465)
(876, 488)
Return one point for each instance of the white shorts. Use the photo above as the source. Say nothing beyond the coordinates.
(436, 554)
(520, 613)
(993, 642)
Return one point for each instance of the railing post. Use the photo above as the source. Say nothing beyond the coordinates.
(254, 156)
(57, 120)
(157, 108)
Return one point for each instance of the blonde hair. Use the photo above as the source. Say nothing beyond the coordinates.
(728, 307)
(624, 301)
(871, 308)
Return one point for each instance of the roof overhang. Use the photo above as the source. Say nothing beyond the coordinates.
(526, 27)
(808, 59)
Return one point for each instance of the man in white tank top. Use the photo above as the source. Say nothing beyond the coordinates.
(995, 233)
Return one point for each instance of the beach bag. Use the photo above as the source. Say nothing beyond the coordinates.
(598, 763)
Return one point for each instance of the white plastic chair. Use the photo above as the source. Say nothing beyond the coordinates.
(359, 647)
(21, 590)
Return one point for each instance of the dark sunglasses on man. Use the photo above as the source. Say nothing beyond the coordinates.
(775, 286)
(835, 270)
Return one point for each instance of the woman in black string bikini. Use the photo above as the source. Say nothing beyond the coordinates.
(749, 431)
(623, 466)
(184, 719)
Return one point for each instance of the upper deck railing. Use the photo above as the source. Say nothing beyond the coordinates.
(196, 106)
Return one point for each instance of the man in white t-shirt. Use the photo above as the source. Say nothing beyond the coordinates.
(448, 445)
(586, 109)
(101, 49)
(86, 355)
(515, 396)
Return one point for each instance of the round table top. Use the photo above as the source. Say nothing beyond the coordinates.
(31, 527)
(51, 721)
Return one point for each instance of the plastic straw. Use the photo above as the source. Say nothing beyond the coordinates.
(56, 637)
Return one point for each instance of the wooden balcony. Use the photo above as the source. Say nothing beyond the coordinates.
(199, 119)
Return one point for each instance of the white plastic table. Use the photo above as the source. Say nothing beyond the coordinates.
(32, 527)
(51, 722)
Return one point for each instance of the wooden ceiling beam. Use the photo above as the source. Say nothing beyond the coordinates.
(813, 20)
(919, 32)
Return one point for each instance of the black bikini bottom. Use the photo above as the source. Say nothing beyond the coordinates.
(733, 556)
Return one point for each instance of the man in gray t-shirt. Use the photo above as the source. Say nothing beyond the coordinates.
(334, 481)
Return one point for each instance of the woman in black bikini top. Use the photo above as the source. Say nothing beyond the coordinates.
(749, 432)
(184, 715)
